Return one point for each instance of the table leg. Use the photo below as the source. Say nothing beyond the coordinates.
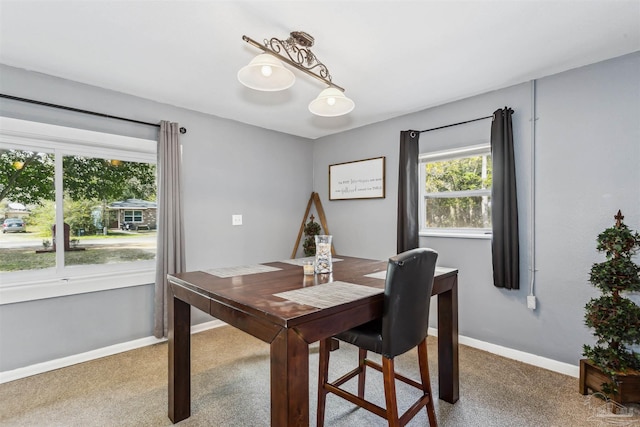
(289, 380)
(179, 359)
(448, 375)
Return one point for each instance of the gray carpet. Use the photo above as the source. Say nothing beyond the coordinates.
(230, 387)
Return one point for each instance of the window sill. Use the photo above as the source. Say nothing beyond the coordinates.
(456, 234)
(42, 289)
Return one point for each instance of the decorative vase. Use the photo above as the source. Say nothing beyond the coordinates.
(323, 254)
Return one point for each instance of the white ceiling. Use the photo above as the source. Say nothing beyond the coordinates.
(392, 57)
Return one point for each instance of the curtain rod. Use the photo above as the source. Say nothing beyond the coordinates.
(456, 124)
(77, 110)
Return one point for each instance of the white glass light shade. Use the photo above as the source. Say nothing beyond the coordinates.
(331, 103)
(265, 72)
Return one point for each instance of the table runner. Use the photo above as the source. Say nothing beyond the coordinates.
(329, 294)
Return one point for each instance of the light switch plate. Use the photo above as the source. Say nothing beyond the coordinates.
(236, 219)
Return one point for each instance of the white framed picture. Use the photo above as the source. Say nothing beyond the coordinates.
(361, 179)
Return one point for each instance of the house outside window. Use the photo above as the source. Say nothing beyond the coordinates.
(134, 214)
(455, 192)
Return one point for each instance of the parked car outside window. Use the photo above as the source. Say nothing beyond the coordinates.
(13, 225)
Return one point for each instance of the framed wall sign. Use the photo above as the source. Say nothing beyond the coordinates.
(362, 179)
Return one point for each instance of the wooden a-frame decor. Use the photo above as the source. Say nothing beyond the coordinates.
(315, 198)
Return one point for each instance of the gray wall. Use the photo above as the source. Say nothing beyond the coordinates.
(230, 168)
(587, 157)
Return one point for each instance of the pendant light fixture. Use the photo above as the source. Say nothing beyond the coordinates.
(266, 72)
(331, 103)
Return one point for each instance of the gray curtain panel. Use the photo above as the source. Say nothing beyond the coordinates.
(408, 224)
(170, 256)
(504, 212)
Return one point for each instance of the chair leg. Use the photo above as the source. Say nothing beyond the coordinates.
(423, 361)
(388, 373)
(323, 377)
(362, 355)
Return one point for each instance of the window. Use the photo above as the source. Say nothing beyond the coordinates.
(65, 182)
(133, 216)
(455, 191)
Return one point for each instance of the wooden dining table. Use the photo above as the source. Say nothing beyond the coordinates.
(262, 300)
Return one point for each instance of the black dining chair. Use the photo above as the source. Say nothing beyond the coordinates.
(402, 327)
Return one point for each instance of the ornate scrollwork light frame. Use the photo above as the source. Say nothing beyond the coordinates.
(296, 51)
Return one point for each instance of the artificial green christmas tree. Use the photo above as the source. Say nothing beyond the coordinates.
(614, 318)
(311, 229)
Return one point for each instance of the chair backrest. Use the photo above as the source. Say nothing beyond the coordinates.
(406, 300)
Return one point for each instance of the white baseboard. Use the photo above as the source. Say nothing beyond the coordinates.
(521, 356)
(38, 368)
(206, 326)
(63, 362)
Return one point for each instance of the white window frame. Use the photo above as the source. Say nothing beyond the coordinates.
(71, 280)
(482, 148)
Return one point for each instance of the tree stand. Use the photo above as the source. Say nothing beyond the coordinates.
(592, 378)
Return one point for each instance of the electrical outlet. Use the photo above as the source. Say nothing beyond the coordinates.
(236, 219)
(531, 302)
